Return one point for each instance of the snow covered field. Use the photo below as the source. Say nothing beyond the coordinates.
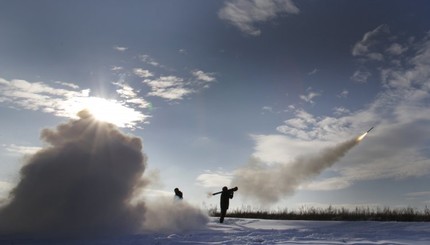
(255, 231)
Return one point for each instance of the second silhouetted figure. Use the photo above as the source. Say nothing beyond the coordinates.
(178, 194)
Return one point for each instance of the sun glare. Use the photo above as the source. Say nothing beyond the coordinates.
(111, 111)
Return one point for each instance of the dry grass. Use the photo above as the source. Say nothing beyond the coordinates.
(331, 213)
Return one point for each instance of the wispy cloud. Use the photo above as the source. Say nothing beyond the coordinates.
(298, 125)
(396, 49)
(36, 96)
(364, 48)
(168, 87)
(120, 48)
(71, 85)
(309, 96)
(26, 150)
(268, 109)
(177, 88)
(343, 94)
(148, 60)
(142, 72)
(130, 96)
(212, 179)
(245, 14)
(361, 76)
(340, 111)
(313, 72)
(203, 76)
(117, 68)
(418, 194)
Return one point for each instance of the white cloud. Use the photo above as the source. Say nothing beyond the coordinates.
(340, 111)
(177, 88)
(419, 194)
(117, 68)
(39, 96)
(71, 85)
(203, 76)
(370, 39)
(361, 76)
(268, 109)
(309, 97)
(165, 82)
(119, 48)
(343, 94)
(174, 93)
(302, 120)
(35, 96)
(314, 71)
(244, 14)
(211, 179)
(126, 92)
(168, 87)
(148, 60)
(396, 49)
(26, 150)
(142, 72)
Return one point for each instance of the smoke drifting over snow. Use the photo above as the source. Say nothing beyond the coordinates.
(82, 183)
(167, 215)
(268, 184)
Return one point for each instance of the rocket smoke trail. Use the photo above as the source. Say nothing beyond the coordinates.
(268, 184)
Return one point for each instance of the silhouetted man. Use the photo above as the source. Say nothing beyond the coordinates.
(226, 195)
(178, 194)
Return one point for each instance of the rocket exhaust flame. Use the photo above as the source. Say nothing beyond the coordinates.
(361, 137)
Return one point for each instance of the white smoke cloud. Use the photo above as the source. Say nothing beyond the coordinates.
(169, 215)
(80, 184)
(84, 183)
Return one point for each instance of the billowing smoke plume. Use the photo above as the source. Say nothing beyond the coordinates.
(269, 183)
(82, 183)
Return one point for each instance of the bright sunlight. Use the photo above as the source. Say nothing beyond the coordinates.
(111, 111)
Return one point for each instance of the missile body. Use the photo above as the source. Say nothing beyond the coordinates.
(369, 129)
(230, 190)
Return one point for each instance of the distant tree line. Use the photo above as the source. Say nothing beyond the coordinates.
(406, 214)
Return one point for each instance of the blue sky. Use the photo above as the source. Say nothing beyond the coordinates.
(211, 85)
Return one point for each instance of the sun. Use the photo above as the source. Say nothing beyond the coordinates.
(105, 110)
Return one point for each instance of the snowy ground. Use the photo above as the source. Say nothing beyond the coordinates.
(254, 231)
